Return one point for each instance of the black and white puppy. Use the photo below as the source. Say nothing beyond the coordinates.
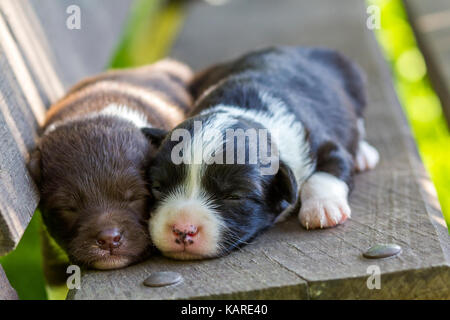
(310, 103)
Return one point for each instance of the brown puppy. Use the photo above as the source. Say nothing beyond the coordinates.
(89, 162)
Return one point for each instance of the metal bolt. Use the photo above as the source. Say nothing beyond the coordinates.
(162, 279)
(380, 251)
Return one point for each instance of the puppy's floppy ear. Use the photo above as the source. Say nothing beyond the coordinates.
(155, 135)
(283, 189)
(34, 166)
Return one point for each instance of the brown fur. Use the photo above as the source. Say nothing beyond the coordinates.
(90, 170)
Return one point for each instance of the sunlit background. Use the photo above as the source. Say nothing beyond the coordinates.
(420, 103)
(149, 35)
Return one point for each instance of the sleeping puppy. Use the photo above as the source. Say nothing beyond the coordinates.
(297, 113)
(89, 162)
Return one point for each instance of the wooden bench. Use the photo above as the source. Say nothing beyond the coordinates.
(396, 203)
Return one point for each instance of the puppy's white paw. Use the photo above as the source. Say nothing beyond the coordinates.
(367, 157)
(324, 213)
(324, 201)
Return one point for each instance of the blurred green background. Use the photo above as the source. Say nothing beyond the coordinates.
(420, 103)
(23, 266)
(151, 28)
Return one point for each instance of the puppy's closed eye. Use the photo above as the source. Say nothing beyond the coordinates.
(233, 197)
(156, 190)
(68, 209)
(68, 215)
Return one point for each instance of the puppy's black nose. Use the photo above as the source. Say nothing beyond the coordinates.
(109, 239)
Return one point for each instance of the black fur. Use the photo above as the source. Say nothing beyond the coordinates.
(325, 92)
(323, 88)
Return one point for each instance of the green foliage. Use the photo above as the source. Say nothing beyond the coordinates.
(149, 33)
(422, 106)
(23, 266)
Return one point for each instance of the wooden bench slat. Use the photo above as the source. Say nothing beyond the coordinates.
(394, 203)
(21, 108)
(33, 44)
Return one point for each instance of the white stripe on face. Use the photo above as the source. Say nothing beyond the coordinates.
(189, 205)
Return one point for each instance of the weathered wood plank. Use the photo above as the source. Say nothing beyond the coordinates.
(22, 109)
(431, 23)
(6, 291)
(242, 275)
(394, 203)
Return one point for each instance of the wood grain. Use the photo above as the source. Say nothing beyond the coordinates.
(21, 111)
(395, 203)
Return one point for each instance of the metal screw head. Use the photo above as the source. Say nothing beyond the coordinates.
(380, 251)
(162, 279)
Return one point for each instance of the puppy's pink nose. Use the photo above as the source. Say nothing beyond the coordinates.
(109, 239)
(185, 233)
